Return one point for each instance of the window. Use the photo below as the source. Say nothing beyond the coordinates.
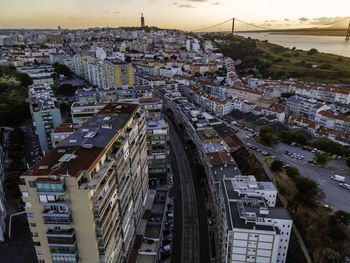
(30, 215)
(32, 224)
(32, 183)
(35, 234)
(37, 244)
(41, 261)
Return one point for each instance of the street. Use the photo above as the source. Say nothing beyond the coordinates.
(336, 196)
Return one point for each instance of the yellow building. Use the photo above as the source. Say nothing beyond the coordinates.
(84, 199)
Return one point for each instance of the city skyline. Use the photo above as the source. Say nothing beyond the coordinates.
(194, 14)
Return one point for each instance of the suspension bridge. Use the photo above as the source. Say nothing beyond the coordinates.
(236, 25)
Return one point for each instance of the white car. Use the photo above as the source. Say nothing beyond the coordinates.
(347, 186)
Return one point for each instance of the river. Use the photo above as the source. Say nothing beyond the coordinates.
(326, 44)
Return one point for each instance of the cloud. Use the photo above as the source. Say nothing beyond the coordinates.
(197, 0)
(303, 19)
(286, 19)
(71, 18)
(326, 20)
(216, 3)
(183, 5)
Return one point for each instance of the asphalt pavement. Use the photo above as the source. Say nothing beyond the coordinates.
(336, 196)
(20, 248)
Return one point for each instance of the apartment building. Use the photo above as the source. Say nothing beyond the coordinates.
(332, 120)
(85, 198)
(81, 112)
(157, 151)
(256, 231)
(45, 112)
(2, 195)
(107, 74)
(305, 107)
(61, 132)
(40, 74)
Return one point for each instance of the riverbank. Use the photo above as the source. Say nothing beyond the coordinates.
(266, 60)
(313, 32)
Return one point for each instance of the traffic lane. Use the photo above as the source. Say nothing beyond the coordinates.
(335, 195)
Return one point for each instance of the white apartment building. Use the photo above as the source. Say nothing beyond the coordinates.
(256, 231)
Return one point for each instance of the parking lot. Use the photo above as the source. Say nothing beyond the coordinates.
(336, 195)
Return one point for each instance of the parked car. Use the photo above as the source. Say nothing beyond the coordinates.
(347, 186)
(338, 178)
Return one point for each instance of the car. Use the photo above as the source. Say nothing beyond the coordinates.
(347, 186)
(273, 157)
(338, 178)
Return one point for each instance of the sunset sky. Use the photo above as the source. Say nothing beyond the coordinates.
(181, 14)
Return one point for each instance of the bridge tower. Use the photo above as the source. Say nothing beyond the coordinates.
(233, 26)
(348, 33)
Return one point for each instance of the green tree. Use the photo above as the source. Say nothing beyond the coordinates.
(292, 171)
(348, 162)
(323, 158)
(309, 193)
(343, 217)
(62, 69)
(330, 255)
(276, 165)
(267, 136)
(25, 79)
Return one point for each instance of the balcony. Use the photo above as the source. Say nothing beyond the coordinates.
(98, 177)
(51, 188)
(54, 218)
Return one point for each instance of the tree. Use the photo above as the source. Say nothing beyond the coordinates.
(323, 158)
(267, 136)
(313, 51)
(67, 90)
(276, 165)
(308, 192)
(330, 255)
(25, 79)
(62, 69)
(292, 171)
(343, 217)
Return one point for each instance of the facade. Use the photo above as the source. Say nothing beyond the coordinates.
(45, 113)
(61, 132)
(157, 151)
(255, 230)
(81, 112)
(85, 198)
(305, 107)
(106, 74)
(2, 196)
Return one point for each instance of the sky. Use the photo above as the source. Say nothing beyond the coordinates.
(180, 14)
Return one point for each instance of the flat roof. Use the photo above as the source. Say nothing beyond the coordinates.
(82, 149)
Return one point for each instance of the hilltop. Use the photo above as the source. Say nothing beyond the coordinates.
(267, 60)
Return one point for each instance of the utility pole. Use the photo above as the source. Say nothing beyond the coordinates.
(233, 26)
(347, 38)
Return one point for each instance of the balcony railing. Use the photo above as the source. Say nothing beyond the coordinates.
(56, 218)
